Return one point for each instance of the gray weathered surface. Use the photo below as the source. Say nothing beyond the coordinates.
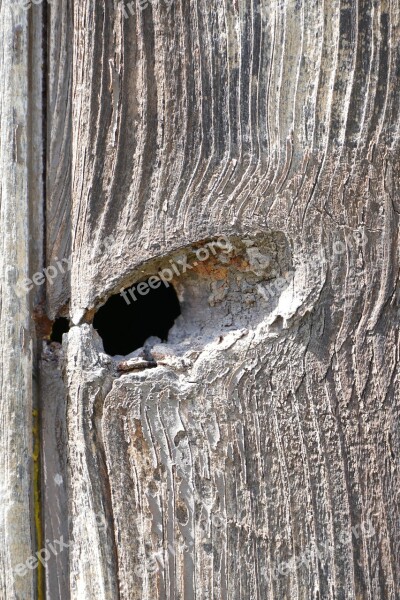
(54, 471)
(59, 134)
(269, 431)
(19, 187)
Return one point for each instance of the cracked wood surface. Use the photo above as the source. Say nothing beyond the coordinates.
(261, 459)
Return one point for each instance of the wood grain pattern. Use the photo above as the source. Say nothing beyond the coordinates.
(58, 172)
(54, 472)
(20, 194)
(274, 436)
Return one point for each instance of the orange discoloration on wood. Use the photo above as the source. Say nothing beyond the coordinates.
(42, 323)
(212, 268)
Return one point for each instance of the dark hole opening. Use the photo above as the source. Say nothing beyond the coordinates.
(60, 326)
(127, 319)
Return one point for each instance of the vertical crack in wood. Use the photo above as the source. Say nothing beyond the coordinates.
(38, 88)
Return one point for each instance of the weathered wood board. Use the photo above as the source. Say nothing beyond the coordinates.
(259, 457)
(21, 229)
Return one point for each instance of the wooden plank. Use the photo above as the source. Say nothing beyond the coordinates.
(58, 171)
(54, 441)
(19, 191)
(259, 458)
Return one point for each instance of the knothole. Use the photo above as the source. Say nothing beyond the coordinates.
(60, 326)
(128, 319)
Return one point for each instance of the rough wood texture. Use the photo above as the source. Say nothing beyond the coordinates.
(18, 186)
(58, 173)
(54, 479)
(270, 433)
